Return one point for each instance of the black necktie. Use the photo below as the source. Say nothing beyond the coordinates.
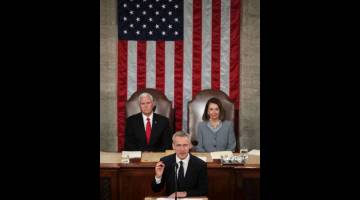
(181, 177)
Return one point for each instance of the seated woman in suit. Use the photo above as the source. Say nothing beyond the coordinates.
(214, 133)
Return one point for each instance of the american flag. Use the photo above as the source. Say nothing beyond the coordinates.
(179, 47)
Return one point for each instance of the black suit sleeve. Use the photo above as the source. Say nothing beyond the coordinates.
(166, 138)
(157, 187)
(202, 187)
(130, 140)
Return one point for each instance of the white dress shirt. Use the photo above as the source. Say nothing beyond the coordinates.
(185, 166)
(145, 121)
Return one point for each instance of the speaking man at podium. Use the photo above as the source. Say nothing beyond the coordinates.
(181, 171)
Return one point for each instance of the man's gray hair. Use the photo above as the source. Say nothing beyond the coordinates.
(181, 134)
(146, 94)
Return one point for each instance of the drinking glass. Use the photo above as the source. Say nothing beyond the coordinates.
(244, 153)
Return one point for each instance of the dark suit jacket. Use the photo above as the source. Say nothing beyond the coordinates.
(196, 178)
(135, 136)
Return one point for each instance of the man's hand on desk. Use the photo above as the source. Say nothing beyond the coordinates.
(179, 194)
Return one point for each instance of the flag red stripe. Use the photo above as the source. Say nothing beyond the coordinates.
(197, 38)
(121, 91)
(160, 66)
(160, 73)
(215, 44)
(235, 52)
(141, 64)
(178, 86)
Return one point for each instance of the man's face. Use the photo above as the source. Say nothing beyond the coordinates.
(181, 145)
(146, 105)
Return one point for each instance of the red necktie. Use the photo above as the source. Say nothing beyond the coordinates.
(148, 130)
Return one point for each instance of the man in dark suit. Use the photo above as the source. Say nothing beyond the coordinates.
(147, 131)
(191, 171)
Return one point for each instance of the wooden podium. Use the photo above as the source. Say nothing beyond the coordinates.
(184, 198)
(133, 180)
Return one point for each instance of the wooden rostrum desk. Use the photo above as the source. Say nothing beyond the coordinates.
(133, 181)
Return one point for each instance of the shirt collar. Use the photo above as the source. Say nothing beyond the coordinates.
(186, 160)
(144, 116)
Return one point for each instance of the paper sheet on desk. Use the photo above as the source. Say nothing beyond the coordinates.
(218, 154)
(254, 152)
(254, 157)
(204, 158)
(131, 154)
(110, 157)
(151, 156)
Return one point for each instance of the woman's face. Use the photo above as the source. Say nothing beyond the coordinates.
(213, 111)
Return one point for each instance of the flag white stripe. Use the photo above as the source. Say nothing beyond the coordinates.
(169, 58)
(132, 68)
(225, 46)
(169, 70)
(150, 64)
(188, 36)
(206, 44)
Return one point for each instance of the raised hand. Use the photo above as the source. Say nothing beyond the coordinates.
(159, 169)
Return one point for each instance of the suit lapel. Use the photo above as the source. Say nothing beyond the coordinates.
(154, 127)
(172, 172)
(188, 171)
(142, 128)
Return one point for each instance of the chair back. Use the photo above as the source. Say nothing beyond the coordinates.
(196, 109)
(163, 105)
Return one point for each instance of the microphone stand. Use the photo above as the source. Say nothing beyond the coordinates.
(176, 166)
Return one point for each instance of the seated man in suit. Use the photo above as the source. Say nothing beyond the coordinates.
(190, 170)
(147, 131)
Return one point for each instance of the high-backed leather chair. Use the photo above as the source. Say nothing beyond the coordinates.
(196, 109)
(163, 105)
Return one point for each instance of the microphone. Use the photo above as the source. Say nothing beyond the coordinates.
(175, 185)
(176, 165)
(194, 142)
